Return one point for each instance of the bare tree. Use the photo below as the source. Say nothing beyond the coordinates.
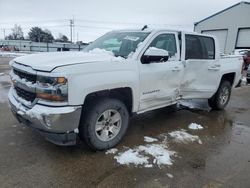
(16, 33)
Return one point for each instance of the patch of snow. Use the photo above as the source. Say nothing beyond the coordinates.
(195, 126)
(1, 73)
(11, 54)
(112, 151)
(150, 139)
(106, 53)
(148, 156)
(160, 153)
(131, 157)
(170, 175)
(76, 130)
(101, 51)
(183, 137)
(148, 166)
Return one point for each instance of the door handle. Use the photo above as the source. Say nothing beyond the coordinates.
(176, 69)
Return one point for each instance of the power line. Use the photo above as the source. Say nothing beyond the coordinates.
(49, 26)
(38, 21)
(97, 21)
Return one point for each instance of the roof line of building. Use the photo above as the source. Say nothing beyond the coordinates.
(242, 2)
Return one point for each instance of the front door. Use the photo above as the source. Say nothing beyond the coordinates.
(159, 81)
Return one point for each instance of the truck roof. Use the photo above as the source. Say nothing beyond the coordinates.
(145, 30)
(154, 30)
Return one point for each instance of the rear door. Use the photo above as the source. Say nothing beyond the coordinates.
(160, 81)
(202, 66)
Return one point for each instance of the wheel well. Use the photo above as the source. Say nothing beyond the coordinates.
(123, 94)
(228, 77)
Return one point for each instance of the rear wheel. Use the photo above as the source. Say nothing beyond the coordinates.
(105, 123)
(221, 98)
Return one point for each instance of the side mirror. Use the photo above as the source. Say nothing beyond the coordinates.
(155, 55)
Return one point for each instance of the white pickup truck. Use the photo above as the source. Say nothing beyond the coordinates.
(91, 94)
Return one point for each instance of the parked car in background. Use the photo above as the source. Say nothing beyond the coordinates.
(246, 56)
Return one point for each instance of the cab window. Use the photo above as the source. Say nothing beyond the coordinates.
(199, 47)
(166, 42)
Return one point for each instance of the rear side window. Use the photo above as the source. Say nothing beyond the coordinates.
(199, 47)
(209, 47)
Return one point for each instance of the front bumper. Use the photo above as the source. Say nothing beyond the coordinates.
(58, 125)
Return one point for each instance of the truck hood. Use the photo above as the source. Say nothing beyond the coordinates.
(49, 61)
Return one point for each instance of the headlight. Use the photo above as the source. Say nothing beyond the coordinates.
(52, 88)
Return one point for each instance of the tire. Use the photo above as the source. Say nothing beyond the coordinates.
(221, 98)
(248, 81)
(104, 124)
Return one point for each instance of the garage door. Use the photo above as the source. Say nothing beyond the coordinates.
(243, 40)
(221, 35)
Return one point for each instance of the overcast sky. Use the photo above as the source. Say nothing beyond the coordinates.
(95, 17)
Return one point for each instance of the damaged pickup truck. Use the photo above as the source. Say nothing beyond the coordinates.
(91, 94)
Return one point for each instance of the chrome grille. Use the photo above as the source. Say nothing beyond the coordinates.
(23, 75)
(28, 96)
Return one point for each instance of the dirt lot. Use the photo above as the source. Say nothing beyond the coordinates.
(221, 157)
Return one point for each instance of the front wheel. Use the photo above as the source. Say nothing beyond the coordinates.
(221, 98)
(104, 124)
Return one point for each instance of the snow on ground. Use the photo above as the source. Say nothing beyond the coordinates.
(195, 126)
(11, 54)
(155, 152)
(131, 156)
(149, 139)
(160, 153)
(148, 155)
(170, 175)
(1, 74)
(183, 137)
(112, 151)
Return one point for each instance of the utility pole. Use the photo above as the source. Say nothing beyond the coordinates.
(71, 24)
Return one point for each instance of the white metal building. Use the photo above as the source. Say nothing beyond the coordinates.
(231, 26)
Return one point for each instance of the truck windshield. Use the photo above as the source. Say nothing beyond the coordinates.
(119, 43)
